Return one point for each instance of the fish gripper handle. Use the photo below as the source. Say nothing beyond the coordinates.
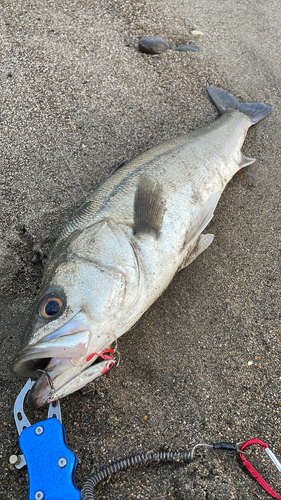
(51, 464)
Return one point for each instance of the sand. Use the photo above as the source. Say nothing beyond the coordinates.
(203, 364)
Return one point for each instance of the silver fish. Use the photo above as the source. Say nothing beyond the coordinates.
(125, 245)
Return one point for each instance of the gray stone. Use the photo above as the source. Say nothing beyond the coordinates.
(153, 45)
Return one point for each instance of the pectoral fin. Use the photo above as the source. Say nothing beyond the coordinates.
(149, 207)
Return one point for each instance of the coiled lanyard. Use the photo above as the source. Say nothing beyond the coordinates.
(52, 465)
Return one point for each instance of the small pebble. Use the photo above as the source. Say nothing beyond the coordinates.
(9, 75)
(153, 45)
(197, 33)
(145, 418)
(186, 48)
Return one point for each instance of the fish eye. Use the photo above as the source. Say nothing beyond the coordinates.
(51, 306)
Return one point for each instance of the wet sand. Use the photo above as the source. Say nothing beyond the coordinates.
(203, 364)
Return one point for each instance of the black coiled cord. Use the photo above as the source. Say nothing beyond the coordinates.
(148, 458)
(121, 465)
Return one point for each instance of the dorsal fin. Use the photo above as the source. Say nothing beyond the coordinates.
(124, 162)
(149, 206)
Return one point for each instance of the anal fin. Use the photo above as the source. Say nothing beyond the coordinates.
(149, 206)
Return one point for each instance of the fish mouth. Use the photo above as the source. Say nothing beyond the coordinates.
(60, 365)
(47, 389)
(37, 356)
(33, 366)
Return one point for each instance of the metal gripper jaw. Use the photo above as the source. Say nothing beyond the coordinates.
(51, 464)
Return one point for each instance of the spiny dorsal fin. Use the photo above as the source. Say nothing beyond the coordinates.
(149, 206)
(119, 166)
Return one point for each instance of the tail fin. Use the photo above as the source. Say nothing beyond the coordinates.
(256, 111)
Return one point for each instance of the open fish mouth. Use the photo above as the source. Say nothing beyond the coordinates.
(37, 356)
(60, 366)
(47, 389)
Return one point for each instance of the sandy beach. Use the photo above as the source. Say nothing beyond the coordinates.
(203, 363)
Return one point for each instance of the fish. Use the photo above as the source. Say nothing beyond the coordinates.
(121, 250)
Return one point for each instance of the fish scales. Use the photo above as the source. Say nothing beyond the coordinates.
(120, 252)
(190, 168)
(182, 159)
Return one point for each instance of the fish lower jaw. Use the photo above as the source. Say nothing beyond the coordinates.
(62, 377)
(83, 377)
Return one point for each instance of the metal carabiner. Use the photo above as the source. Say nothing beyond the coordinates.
(252, 469)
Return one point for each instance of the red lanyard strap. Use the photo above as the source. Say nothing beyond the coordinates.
(252, 469)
